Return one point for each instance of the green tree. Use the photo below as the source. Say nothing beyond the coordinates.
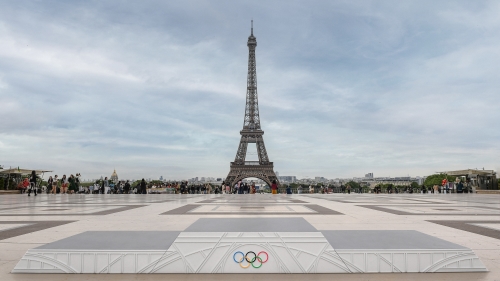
(436, 179)
(415, 186)
(354, 185)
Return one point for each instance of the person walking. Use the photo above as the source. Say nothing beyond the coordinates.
(33, 186)
(348, 189)
(228, 188)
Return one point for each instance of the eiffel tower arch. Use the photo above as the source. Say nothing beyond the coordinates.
(251, 132)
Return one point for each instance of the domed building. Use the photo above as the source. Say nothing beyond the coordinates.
(114, 176)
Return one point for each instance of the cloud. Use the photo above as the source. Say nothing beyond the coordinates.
(158, 88)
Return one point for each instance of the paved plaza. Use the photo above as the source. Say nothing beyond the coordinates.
(352, 233)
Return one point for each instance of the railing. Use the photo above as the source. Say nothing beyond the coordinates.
(252, 163)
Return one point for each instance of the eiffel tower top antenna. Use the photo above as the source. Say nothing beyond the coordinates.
(251, 28)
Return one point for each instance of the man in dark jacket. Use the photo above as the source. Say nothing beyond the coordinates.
(126, 188)
(143, 187)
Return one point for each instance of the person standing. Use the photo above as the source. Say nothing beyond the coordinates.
(105, 185)
(143, 187)
(348, 189)
(460, 187)
(64, 185)
(228, 188)
(54, 185)
(33, 186)
(274, 187)
(49, 184)
(126, 188)
(72, 184)
(468, 188)
(79, 187)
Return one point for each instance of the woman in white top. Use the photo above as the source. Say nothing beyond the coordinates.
(54, 185)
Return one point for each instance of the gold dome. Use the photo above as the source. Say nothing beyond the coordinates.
(114, 175)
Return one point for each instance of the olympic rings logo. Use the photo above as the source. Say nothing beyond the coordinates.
(251, 258)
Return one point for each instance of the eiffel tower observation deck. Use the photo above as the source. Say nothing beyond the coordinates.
(251, 132)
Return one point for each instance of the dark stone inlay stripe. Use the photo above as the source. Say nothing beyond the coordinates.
(116, 240)
(322, 210)
(403, 213)
(116, 202)
(100, 213)
(470, 227)
(207, 201)
(298, 201)
(289, 224)
(32, 227)
(186, 210)
(181, 210)
(385, 239)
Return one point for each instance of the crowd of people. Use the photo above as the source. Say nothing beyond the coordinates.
(72, 185)
(67, 185)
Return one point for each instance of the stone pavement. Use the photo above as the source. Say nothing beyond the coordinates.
(467, 220)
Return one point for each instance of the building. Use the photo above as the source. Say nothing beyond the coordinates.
(114, 176)
(369, 176)
(479, 179)
(287, 179)
(320, 179)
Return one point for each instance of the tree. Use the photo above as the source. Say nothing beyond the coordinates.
(354, 185)
(414, 186)
(436, 179)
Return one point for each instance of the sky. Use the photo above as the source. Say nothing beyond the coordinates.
(157, 88)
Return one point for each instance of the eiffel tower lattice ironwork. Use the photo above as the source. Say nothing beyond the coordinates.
(251, 133)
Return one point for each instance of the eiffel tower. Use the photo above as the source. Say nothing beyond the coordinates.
(251, 133)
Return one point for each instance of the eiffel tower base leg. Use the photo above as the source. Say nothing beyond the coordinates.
(239, 172)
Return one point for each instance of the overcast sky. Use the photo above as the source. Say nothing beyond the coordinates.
(157, 88)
